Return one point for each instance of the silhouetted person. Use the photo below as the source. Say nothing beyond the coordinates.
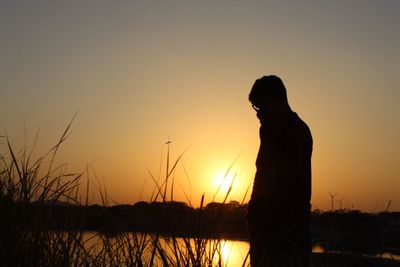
(279, 209)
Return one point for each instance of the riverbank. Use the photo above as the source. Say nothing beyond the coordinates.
(350, 230)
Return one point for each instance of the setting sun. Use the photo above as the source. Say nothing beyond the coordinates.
(140, 73)
(225, 180)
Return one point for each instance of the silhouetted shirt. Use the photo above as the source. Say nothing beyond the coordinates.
(283, 177)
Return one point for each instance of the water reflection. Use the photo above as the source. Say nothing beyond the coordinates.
(234, 253)
(317, 248)
(216, 252)
(219, 252)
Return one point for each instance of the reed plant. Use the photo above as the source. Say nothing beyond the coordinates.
(31, 234)
(27, 186)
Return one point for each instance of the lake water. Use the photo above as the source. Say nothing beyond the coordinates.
(229, 252)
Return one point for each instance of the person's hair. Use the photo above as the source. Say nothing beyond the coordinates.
(270, 87)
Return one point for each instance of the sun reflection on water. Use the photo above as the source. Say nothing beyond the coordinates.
(223, 252)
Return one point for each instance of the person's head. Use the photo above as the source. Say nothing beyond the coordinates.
(269, 94)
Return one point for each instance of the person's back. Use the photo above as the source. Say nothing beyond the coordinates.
(279, 208)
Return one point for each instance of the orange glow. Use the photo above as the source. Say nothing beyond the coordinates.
(223, 181)
(225, 251)
(141, 73)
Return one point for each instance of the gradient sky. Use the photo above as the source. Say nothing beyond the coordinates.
(143, 72)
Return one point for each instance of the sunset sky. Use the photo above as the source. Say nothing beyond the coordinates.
(144, 72)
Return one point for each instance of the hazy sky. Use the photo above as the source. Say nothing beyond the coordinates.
(143, 72)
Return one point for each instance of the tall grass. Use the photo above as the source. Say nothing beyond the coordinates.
(28, 186)
(31, 234)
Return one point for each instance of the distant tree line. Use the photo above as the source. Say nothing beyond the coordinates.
(344, 230)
